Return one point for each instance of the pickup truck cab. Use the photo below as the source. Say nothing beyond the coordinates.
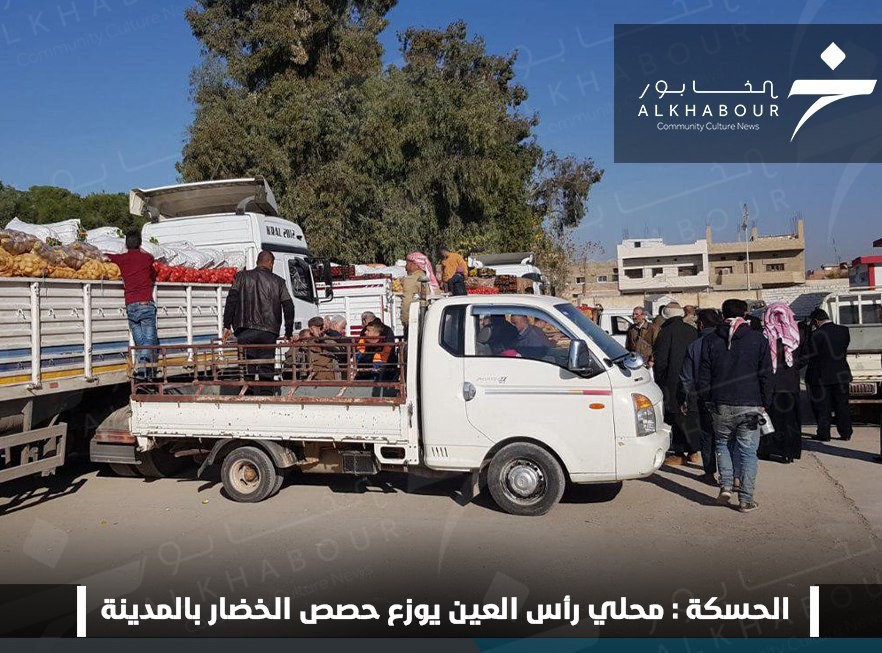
(523, 392)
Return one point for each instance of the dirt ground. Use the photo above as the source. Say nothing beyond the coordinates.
(663, 538)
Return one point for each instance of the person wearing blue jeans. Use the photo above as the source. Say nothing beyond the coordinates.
(735, 384)
(138, 275)
(737, 440)
(142, 322)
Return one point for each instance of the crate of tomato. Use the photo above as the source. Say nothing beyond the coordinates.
(183, 274)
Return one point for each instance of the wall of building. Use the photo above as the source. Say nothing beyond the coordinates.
(585, 281)
(647, 265)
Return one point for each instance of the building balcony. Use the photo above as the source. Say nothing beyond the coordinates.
(663, 283)
(757, 279)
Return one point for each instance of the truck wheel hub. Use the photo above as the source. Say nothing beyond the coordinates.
(524, 479)
(245, 476)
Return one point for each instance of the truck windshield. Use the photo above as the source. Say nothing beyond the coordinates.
(301, 280)
(607, 345)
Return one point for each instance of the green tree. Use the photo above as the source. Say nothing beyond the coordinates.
(376, 162)
(48, 204)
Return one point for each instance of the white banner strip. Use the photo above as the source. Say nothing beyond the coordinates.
(81, 610)
(814, 611)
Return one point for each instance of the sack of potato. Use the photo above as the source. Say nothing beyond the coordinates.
(71, 257)
(6, 267)
(15, 242)
(111, 271)
(61, 272)
(91, 270)
(29, 265)
(87, 250)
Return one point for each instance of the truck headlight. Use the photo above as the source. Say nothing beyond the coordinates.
(644, 414)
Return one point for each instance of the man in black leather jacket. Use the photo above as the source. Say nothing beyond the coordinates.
(256, 303)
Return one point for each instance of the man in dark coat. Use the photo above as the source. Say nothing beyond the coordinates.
(669, 351)
(828, 375)
(734, 377)
(687, 395)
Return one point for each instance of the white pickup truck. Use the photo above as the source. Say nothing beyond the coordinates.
(860, 309)
(469, 395)
(64, 343)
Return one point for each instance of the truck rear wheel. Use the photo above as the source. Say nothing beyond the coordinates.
(249, 476)
(121, 469)
(159, 463)
(525, 479)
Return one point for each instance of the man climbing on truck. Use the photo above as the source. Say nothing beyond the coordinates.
(138, 275)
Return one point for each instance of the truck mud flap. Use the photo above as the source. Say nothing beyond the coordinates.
(39, 451)
(113, 452)
(360, 463)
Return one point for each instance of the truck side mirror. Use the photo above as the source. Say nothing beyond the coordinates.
(329, 284)
(578, 358)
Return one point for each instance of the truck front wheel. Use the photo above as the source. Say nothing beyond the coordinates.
(249, 476)
(525, 479)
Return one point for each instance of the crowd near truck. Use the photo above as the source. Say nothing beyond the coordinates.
(64, 343)
(353, 297)
(581, 410)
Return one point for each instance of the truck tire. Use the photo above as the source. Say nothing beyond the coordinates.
(159, 463)
(249, 476)
(121, 469)
(525, 479)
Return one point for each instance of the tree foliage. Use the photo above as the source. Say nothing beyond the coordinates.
(47, 204)
(375, 162)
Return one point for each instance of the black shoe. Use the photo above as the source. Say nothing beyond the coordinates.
(748, 507)
(845, 438)
(827, 439)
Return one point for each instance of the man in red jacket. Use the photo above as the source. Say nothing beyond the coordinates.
(138, 279)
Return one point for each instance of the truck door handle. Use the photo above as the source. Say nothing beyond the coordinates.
(468, 391)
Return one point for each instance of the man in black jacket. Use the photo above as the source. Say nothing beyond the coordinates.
(734, 377)
(669, 351)
(256, 303)
(828, 375)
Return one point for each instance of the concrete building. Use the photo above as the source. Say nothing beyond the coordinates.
(866, 271)
(775, 261)
(588, 280)
(648, 265)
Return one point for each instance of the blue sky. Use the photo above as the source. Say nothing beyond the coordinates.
(96, 98)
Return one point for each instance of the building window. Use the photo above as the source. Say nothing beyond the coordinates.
(634, 274)
(580, 279)
(575, 295)
(726, 269)
(637, 243)
(657, 272)
(615, 278)
(690, 271)
(774, 267)
(602, 278)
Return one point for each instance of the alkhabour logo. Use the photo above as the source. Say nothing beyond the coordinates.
(829, 90)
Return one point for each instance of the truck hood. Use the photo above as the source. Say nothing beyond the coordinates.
(204, 198)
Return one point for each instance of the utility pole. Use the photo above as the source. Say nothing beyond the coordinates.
(744, 227)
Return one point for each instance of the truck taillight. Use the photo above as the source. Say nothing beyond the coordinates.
(644, 413)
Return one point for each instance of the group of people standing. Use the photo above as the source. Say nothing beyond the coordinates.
(726, 377)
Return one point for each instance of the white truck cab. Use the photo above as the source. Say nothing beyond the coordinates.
(523, 392)
(236, 216)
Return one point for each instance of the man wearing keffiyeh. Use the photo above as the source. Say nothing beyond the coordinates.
(782, 334)
(734, 380)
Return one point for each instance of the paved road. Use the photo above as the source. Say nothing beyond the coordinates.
(663, 538)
